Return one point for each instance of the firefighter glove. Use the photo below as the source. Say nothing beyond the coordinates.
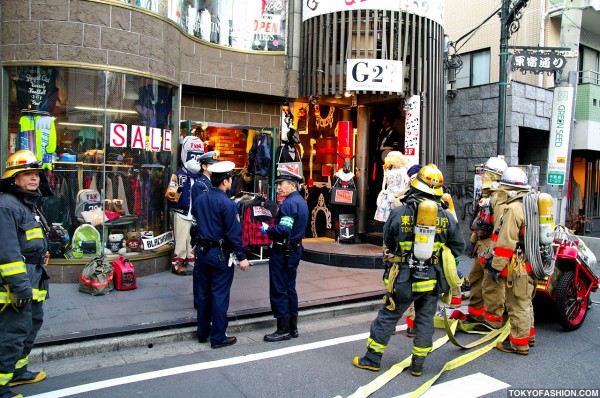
(494, 273)
(471, 250)
(23, 298)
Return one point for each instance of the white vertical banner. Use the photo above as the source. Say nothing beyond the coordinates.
(412, 129)
(560, 132)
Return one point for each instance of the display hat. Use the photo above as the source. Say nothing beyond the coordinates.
(221, 170)
(285, 174)
(209, 157)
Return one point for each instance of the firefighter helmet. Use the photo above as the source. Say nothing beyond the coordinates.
(495, 165)
(22, 161)
(429, 180)
(515, 177)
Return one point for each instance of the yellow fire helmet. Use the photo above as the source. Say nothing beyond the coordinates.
(429, 180)
(21, 161)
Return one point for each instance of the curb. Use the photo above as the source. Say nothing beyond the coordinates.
(50, 353)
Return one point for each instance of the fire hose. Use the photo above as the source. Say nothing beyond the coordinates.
(539, 267)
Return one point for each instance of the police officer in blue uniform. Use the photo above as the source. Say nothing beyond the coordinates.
(217, 235)
(287, 234)
(202, 184)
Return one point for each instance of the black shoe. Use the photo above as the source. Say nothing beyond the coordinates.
(202, 340)
(366, 363)
(410, 332)
(26, 377)
(230, 340)
(294, 326)
(505, 346)
(416, 365)
(282, 333)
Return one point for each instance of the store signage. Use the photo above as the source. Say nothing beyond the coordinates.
(560, 131)
(374, 75)
(431, 9)
(267, 25)
(158, 241)
(412, 129)
(536, 62)
(141, 137)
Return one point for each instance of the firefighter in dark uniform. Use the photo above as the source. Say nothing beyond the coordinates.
(202, 185)
(416, 274)
(23, 258)
(217, 235)
(287, 235)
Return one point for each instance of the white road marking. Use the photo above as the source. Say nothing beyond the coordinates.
(472, 386)
(65, 392)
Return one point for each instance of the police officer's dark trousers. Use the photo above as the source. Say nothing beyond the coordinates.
(282, 281)
(384, 325)
(214, 286)
(15, 327)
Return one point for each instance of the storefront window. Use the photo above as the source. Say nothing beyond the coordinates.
(241, 24)
(105, 141)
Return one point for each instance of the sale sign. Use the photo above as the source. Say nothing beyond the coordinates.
(152, 139)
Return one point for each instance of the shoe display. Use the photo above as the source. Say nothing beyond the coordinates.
(25, 376)
(366, 363)
(416, 365)
(229, 340)
(505, 346)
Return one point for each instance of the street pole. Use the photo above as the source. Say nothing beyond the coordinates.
(502, 79)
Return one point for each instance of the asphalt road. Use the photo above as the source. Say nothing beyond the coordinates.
(319, 364)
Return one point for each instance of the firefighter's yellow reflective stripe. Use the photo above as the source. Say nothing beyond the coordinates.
(405, 246)
(366, 390)
(39, 295)
(287, 221)
(22, 362)
(35, 233)
(375, 346)
(5, 378)
(8, 269)
(421, 351)
(424, 286)
(4, 298)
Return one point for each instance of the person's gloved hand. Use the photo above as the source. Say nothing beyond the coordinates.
(264, 228)
(471, 250)
(494, 273)
(23, 298)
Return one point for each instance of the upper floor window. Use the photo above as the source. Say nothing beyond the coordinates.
(589, 65)
(475, 70)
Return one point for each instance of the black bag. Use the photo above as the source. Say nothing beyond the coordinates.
(343, 196)
(97, 277)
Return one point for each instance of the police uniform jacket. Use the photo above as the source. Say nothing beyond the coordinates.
(24, 246)
(216, 218)
(202, 185)
(509, 222)
(290, 220)
(185, 180)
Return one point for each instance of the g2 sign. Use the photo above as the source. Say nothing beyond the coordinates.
(374, 75)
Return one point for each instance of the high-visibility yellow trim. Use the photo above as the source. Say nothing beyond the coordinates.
(35, 233)
(424, 286)
(8, 269)
(405, 246)
(421, 351)
(39, 295)
(375, 346)
(5, 378)
(22, 362)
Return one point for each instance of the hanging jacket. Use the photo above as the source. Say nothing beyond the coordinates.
(185, 181)
(259, 158)
(44, 137)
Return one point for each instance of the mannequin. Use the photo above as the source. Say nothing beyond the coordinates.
(343, 178)
(395, 183)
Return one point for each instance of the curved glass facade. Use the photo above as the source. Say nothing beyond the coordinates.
(251, 25)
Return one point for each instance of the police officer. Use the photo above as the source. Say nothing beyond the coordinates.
(217, 235)
(481, 228)
(508, 280)
(23, 258)
(411, 278)
(287, 235)
(202, 184)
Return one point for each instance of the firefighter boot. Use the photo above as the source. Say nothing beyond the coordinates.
(294, 325)
(6, 392)
(371, 361)
(24, 376)
(416, 365)
(282, 332)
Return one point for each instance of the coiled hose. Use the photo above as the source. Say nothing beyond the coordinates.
(539, 267)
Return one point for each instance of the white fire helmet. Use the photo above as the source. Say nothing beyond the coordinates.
(495, 165)
(515, 177)
(191, 149)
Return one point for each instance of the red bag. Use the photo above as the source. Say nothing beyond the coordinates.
(124, 276)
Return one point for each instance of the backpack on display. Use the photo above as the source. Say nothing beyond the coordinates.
(85, 242)
(58, 241)
(125, 278)
(87, 200)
